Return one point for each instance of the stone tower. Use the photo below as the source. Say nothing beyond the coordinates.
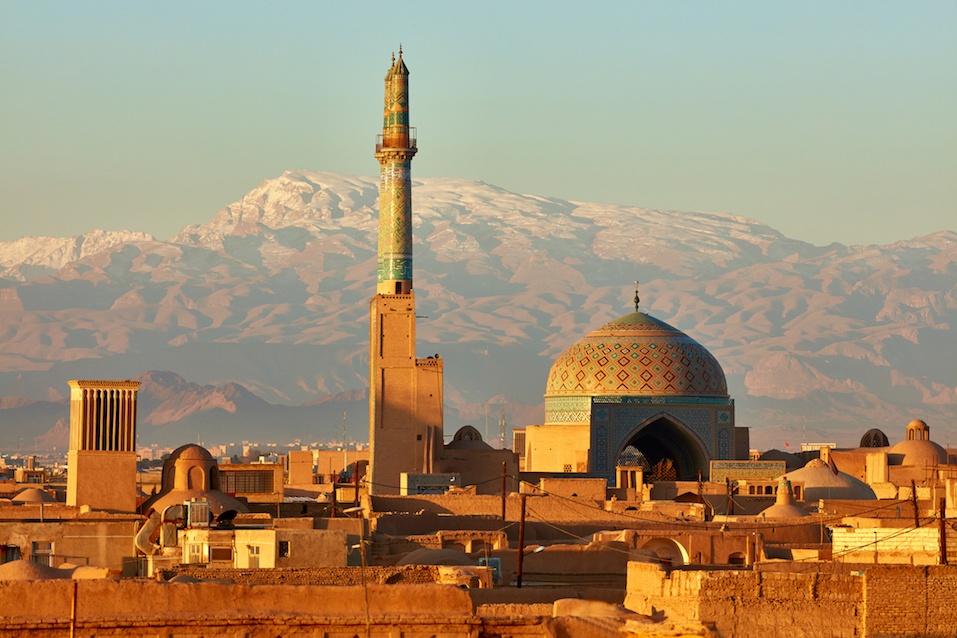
(405, 393)
(102, 455)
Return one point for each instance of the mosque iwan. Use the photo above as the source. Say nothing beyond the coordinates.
(636, 508)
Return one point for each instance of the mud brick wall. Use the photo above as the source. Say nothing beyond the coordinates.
(409, 574)
(842, 600)
(751, 604)
(41, 609)
(766, 605)
(910, 601)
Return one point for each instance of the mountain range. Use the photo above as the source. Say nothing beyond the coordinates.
(254, 325)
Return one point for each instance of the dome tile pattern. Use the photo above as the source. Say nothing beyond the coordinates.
(637, 355)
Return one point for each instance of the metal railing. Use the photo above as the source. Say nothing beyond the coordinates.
(401, 140)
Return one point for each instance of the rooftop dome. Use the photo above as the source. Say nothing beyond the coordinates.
(874, 438)
(917, 453)
(192, 452)
(820, 481)
(33, 495)
(468, 438)
(784, 505)
(637, 355)
(24, 569)
(191, 472)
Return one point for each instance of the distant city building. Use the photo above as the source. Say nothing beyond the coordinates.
(816, 447)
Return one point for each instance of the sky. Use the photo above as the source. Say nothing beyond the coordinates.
(831, 122)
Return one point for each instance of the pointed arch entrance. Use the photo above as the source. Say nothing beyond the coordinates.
(667, 445)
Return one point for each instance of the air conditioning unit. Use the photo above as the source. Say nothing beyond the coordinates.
(496, 565)
(197, 513)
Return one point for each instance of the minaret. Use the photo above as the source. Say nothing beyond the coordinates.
(395, 149)
(405, 393)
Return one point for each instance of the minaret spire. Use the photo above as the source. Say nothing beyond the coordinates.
(637, 300)
(395, 149)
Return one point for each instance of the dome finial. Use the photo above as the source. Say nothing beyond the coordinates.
(637, 300)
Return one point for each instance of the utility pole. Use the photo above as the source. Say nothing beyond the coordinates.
(943, 532)
(73, 612)
(913, 493)
(504, 477)
(730, 509)
(521, 544)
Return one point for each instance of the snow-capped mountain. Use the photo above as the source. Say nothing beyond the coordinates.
(31, 257)
(272, 294)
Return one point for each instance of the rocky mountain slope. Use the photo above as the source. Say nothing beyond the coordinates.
(263, 310)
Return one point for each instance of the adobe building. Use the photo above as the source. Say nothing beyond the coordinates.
(191, 473)
(891, 469)
(54, 534)
(636, 391)
(102, 454)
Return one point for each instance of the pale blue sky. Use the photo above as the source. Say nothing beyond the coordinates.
(828, 121)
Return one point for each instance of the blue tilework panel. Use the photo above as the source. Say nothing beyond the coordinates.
(615, 424)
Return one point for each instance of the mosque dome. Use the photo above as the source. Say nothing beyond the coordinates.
(637, 355)
(820, 481)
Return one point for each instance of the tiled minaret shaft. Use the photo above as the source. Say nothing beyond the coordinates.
(395, 149)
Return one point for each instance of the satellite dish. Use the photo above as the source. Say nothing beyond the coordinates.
(225, 519)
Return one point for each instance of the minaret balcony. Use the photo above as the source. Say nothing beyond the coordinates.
(400, 140)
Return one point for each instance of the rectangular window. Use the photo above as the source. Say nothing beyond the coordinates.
(246, 481)
(43, 552)
(518, 442)
(283, 549)
(221, 553)
(568, 468)
(194, 553)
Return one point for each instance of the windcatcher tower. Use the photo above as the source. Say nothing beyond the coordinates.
(405, 393)
(102, 455)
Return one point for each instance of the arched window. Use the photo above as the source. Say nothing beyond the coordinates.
(197, 478)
